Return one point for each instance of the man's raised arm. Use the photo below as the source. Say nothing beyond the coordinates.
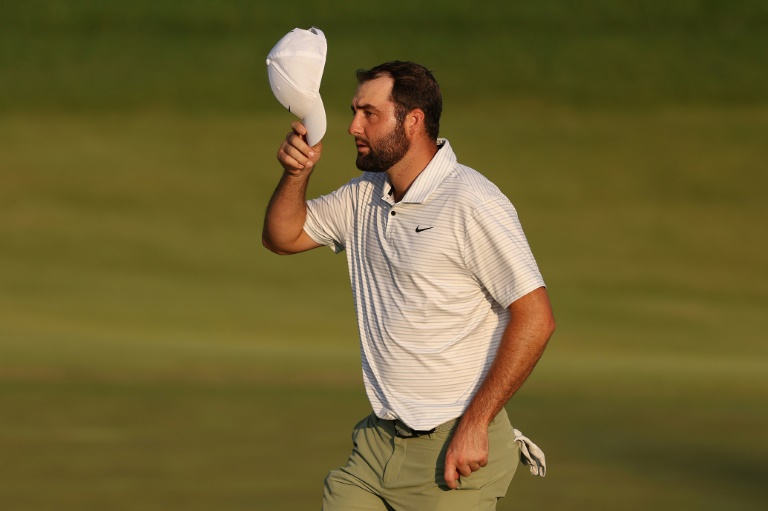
(283, 231)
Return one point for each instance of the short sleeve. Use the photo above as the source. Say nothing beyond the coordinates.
(497, 252)
(329, 217)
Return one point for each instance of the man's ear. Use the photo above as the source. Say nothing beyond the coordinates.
(414, 122)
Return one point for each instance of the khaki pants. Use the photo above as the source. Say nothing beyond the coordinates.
(389, 473)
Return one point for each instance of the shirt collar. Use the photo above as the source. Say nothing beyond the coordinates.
(429, 178)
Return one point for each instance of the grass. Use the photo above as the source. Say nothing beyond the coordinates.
(87, 55)
(154, 356)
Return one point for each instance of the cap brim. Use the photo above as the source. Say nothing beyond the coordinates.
(315, 122)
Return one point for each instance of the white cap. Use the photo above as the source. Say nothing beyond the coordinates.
(295, 67)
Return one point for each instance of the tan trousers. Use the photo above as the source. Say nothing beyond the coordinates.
(389, 473)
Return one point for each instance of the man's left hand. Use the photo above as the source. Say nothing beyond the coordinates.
(467, 453)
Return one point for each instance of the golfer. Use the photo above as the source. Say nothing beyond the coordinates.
(451, 307)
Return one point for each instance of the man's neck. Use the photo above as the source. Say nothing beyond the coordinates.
(404, 173)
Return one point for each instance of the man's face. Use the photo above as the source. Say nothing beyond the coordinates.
(379, 136)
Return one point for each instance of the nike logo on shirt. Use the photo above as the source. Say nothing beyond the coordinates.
(420, 229)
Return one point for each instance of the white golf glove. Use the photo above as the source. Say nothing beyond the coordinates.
(531, 455)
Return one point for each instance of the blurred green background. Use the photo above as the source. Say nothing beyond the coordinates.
(154, 356)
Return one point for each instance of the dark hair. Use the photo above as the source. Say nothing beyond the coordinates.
(414, 87)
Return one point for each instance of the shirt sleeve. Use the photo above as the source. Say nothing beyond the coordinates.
(497, 252)
(330, 216)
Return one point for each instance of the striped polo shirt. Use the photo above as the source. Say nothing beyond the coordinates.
(432, 277)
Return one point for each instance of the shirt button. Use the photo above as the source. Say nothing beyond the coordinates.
(392, 213)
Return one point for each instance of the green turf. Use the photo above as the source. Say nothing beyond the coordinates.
(89, 54)
(154, 356)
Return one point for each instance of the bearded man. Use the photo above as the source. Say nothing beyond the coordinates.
(452, 311)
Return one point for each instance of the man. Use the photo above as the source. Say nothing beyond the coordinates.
(452, 310)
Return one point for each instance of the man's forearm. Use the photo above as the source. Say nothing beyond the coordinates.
(284, 221)
(530, 327)
(287, 210)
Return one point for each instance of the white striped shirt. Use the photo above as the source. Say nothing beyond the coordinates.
(432, 277)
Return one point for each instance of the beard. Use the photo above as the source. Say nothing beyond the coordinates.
(384, 153)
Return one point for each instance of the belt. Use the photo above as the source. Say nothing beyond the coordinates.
(403, 431)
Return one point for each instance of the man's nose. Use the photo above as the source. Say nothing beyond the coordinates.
(354, 127)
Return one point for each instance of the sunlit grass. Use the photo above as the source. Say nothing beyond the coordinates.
(154, 353)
